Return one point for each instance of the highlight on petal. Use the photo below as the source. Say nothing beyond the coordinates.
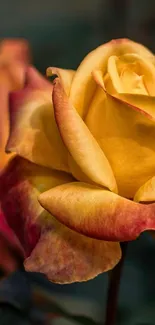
(60, 253)
(146, 193)
(98, 213)
(66, 256)
(82, 146)
(119, 129)
(66, 76)
(83, 85)
(34, 134)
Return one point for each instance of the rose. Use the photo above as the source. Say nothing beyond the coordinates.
(90, 155)
(14, 54)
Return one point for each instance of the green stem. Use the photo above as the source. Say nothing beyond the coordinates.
(113, 289)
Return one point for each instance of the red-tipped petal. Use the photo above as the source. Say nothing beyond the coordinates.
(66, 256)
(98, 213)
(61, 254)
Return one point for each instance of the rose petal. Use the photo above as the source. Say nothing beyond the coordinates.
(66, 256)
(34, 134)
(125, 134)
(66, 77)
(83, 85)
(14, 55)
(129, 70)
(98, 213)
(146, 193)
(15, 49)
(8, 237)
(18, 211)
(82, 146)
(20, 184)
(61, 254)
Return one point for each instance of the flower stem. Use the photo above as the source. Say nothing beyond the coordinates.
(113, 289)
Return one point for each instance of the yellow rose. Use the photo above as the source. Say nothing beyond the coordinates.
(87, 145)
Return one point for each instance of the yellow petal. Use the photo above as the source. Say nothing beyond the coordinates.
(82, 146)
(126, 135)
(98, 213)
(83, 85)
(146, 193)
(34, 134)
(131, 73)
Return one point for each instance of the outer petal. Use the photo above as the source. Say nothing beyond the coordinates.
(82, 146)
(83, 85)
(34, 134)
(18, 212)
(66, 256)
(125, 134)
(20, 184)
(11, 252)
(63, 255)
(98, 213)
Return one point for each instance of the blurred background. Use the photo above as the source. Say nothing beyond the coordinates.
(61, 33)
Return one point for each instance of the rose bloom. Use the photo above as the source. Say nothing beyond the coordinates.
(82, 178)
(14, 56)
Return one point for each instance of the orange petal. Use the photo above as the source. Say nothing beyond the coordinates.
(66, 256)
(83, 85)
(98, 213)
(34, 134)
(82, 146)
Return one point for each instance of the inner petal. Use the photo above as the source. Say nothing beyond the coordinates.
(132, 82)
(127, 74)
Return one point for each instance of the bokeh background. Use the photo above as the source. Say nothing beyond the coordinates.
(61, 33)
